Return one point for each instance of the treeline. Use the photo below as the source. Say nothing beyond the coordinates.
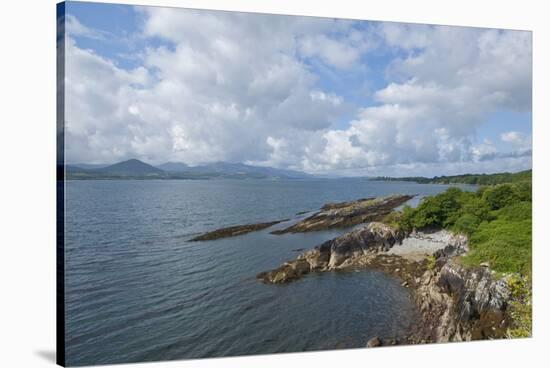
(477, 179)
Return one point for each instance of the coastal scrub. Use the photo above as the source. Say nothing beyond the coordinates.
(497, 220)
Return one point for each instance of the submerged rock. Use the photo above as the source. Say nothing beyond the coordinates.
(227, 232)
(346, 214)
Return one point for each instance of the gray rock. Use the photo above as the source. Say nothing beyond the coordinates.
(231, 231)
(374, 342)
(460, 303)
(332, 254)
(347, 214)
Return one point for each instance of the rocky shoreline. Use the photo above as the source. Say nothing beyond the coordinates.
(331, 215)
(231, 231)
(455, 303)
(347, 214)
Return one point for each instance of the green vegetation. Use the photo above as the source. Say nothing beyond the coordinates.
(498, 221)
(478, 179)
(520, 307)
(496, 218)
(430, 265)
(392, 219)
(504, 243)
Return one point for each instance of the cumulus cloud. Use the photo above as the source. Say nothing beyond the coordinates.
(225, 84)
(450, 83)
(239, 87)
(517, 139)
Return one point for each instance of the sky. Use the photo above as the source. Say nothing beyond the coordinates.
(320, 95)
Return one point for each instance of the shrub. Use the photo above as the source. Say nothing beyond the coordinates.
(436, 211)
(477, 207)
(500, 196)
(467, 224)
(497, 220)
(505, 244)
(516, 212)
(393, 219)
(524, 191)
(406, 219)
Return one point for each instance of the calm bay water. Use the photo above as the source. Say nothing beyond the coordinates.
(137, 290)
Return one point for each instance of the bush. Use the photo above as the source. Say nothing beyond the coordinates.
(497, 220)
(524, 191)
(436, 211)
(500, 196)
(505, 244)
(406, 219)
(516, 212)
(467, 224)
(392, 219)
(477, 207)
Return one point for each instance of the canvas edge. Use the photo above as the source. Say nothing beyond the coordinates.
(60, 184)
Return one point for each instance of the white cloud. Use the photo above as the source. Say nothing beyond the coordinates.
(516, 139)
(239, 87)
(342, 54)
(215, 94)
(74, 28)
(483, 150)
(405, 36)
(449, 85)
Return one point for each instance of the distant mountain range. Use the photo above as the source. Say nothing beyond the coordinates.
(136, 169)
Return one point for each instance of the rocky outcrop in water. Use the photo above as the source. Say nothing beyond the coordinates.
(227, 232)
(331, 215)
(456, 303)
(346, 214)
(336, 253)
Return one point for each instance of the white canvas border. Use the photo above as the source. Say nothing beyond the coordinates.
(28, 182)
